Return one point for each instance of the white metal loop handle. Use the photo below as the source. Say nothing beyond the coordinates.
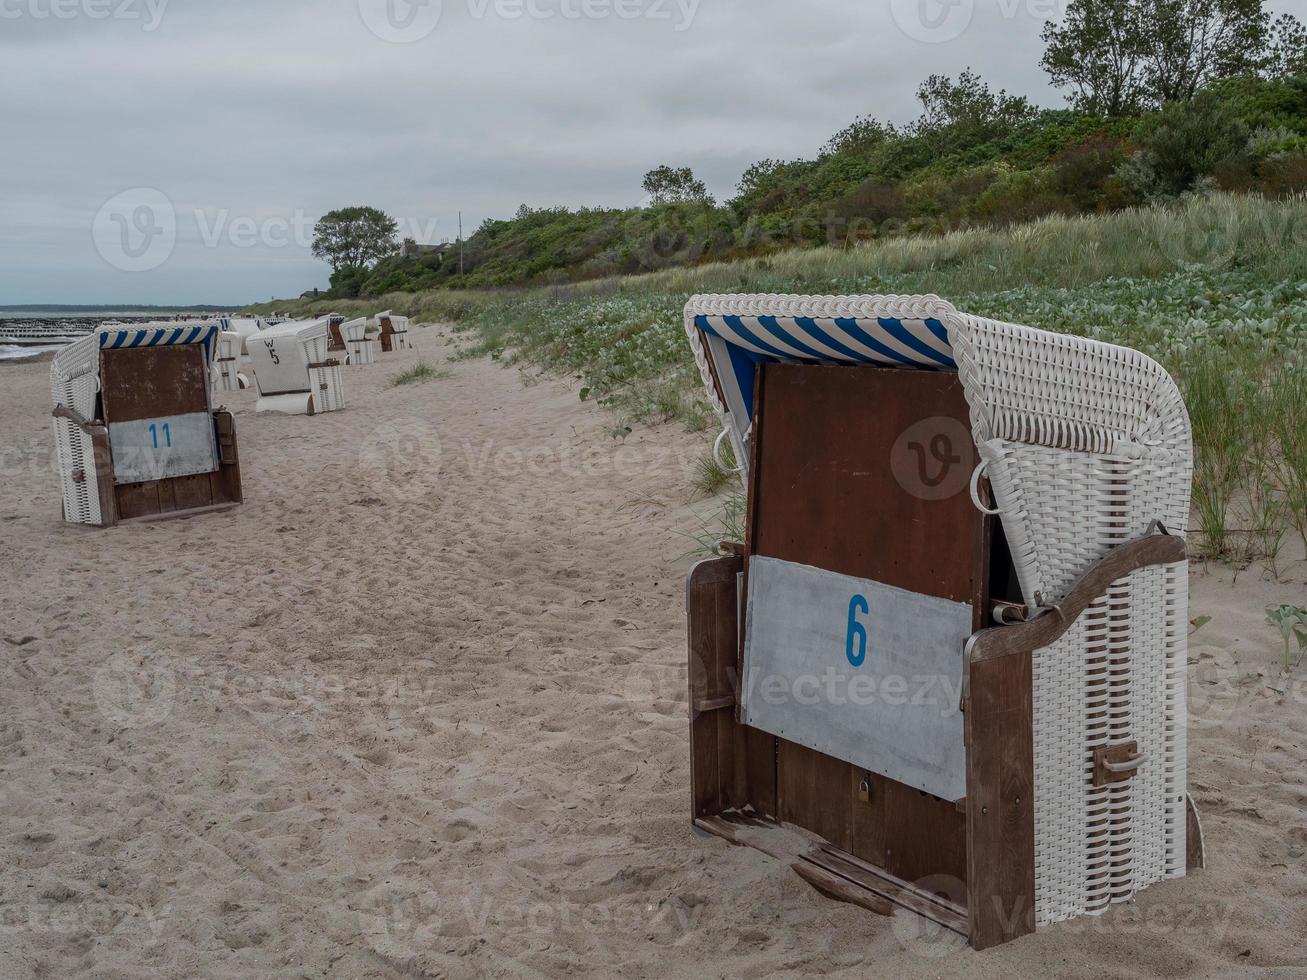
(717, 453)
(975, 491)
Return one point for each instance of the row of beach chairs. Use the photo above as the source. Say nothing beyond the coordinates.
(137, 424)
(974, 528)
(283, 350)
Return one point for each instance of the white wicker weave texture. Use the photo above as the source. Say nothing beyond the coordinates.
(1086, 445)
(74, 383)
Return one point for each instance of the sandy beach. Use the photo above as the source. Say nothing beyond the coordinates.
(417, 709)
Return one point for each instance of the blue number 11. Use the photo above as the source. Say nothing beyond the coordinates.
(167, 435)
(855, 646)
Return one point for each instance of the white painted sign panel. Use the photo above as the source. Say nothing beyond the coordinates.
(162, 449)
(858, 670)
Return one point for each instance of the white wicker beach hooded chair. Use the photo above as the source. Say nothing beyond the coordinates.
(226, 368)
(1087, 446)
(393, 330)
(362, 349)
(246, 327)
(79, 414)
(293, 371)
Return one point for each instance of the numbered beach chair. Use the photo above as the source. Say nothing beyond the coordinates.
(137, 435)
(293, 371)
(361, 349)
(953, 645)
(394, 332)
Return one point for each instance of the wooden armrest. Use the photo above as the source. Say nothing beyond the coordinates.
(1048, 628)
(77, 418)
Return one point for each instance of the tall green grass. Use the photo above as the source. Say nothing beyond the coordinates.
(1214, 287)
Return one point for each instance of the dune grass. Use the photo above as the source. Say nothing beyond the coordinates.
(1214, 287)
(419, 373)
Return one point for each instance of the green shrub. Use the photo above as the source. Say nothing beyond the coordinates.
(1184, 142)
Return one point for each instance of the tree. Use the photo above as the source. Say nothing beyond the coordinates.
(1119, 56)
(667, 185)
(862, 134)
(1192, 42)
(353, 238)
(1097, 52)
(966, 112)
(1287, 54)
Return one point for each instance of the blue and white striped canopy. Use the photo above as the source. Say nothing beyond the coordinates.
(115, 337)
(739, 332)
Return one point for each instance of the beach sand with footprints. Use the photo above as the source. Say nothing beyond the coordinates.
(418, 709)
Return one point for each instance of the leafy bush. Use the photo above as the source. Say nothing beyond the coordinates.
(1185, 142)
(347, 282)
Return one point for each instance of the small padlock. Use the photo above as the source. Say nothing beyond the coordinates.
(864, 791)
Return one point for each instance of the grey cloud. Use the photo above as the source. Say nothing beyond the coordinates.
(264, 110)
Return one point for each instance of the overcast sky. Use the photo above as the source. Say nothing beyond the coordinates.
(178, 151)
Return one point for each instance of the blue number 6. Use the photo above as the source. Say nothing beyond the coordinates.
(855, 647)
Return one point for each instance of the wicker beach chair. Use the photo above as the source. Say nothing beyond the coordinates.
(245, 328)
(137, 435)
(293, 371)
(394, 332)
(1069, 762)
(335, 340)
(226, 367)
(362, 349)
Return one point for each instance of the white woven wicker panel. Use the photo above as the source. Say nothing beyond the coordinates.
(74, 383)
(227, 365)
(1030, 385)
(1117, 676)
(401, 324)
(361, 352)
(1064, 510)
(1061, 761)
(328, 388)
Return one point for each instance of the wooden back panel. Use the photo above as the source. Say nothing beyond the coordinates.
(153, 382)
(865, 472)
(161, 382)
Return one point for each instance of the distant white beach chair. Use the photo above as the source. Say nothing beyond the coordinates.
(335, 339)
(136, 432)
(394, 332)
(226, 368)
(246, 327)
(293, 372)
(361, 348)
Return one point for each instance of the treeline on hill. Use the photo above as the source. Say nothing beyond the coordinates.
(1154, 120)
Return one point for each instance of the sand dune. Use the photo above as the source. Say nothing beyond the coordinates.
(418, 709)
